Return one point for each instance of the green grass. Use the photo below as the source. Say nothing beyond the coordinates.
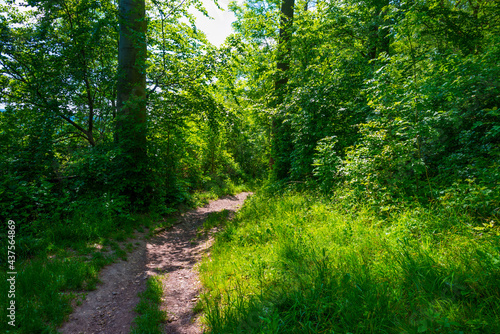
(58, 265)
(300, 264)
(46, 288)
(214, 219)
(58, 260)
(216, 190)
(150, 317)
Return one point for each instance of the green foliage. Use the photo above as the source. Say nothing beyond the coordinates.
(57, 154)
(326, 163)
(409, 90)
(325, 84)
(59, 60)
(386, 103)
(298, 263)
(432, 126)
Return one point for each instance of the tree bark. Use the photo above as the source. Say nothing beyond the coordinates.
(378, 37)
(284, 43)
(131, 88)
(282, 66)
(131, 95)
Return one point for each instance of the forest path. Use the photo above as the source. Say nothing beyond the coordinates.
(174, 252)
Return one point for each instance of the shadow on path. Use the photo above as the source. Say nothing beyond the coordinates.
(175, 253)
(110, 308)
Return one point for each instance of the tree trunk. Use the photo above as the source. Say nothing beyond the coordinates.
(284, 44)
(378, 37)
(278, 148)
(131, 97)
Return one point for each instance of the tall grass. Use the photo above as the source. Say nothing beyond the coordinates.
(59, 257)
(45, 291)
(58, 261)
(217, 190)
(300, 264)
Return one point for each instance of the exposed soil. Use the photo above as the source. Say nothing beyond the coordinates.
(110, 308)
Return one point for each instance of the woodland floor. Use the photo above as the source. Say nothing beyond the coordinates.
(174, 253)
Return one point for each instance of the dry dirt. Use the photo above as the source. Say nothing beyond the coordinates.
(110, 308)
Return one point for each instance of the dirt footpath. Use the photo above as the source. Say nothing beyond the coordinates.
(174, 252)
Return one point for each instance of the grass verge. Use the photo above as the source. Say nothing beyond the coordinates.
(57, 269)
(215, 191)
(300, 264)
(150, 317)
(58, 260)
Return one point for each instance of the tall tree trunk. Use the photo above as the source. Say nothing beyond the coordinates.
(131, 97)
(278, 143)
(379, 39)
(284, 44)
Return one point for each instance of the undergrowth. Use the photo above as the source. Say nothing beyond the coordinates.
(58, 261)
(200, 198)
(297, 263)
(58, 258)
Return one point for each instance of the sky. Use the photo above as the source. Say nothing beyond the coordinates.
(219, 28)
